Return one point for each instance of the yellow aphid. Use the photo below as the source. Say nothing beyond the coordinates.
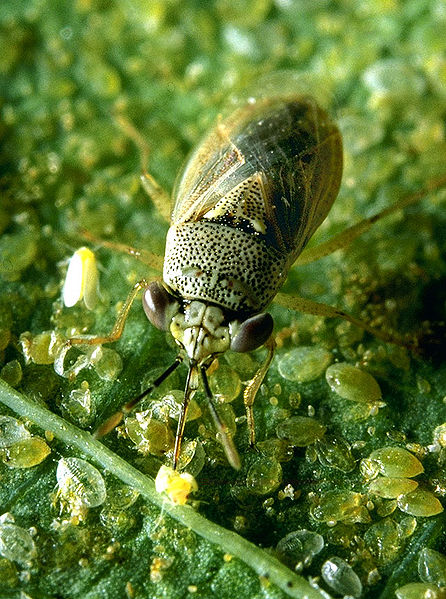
(177, 486)
(81, 281)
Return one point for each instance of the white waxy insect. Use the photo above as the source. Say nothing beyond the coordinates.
(249, 199)
(81, 280)
(80, 486)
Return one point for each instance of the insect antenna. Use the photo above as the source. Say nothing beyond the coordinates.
(225, 436)
(116, 418)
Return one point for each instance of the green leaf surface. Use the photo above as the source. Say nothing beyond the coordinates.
(66, 71)
(263, 564)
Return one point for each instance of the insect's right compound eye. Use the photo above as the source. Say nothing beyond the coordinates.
(159, 305)
(253, 333)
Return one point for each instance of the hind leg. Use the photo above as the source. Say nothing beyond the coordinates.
(345, 238)
(301, 304)
(254, 385)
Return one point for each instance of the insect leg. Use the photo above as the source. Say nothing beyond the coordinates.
(225, 436)
(254, 385)
(343, 239)
(116, 418)
(113, 335)
(191, 387)
(149, 258)
(307, 306)
(158, 195)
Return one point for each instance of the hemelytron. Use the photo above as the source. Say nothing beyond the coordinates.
(250, 197)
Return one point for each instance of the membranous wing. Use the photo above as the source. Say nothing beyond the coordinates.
(273, 168)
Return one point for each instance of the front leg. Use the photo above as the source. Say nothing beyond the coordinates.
(112, 336)
(346, 237)
(254, 385)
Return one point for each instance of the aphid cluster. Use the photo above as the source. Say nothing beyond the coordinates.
(250, 198)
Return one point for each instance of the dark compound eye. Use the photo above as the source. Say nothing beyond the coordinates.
(253, 333)
(159, 305)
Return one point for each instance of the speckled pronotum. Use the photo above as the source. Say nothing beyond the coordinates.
(250, 197)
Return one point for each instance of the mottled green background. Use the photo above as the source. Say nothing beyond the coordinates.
(65, 69)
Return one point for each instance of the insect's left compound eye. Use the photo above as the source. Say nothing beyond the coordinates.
(159, 305)
(253, 333)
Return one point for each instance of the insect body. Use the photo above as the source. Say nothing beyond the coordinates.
(249, 200)
(251, 196)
